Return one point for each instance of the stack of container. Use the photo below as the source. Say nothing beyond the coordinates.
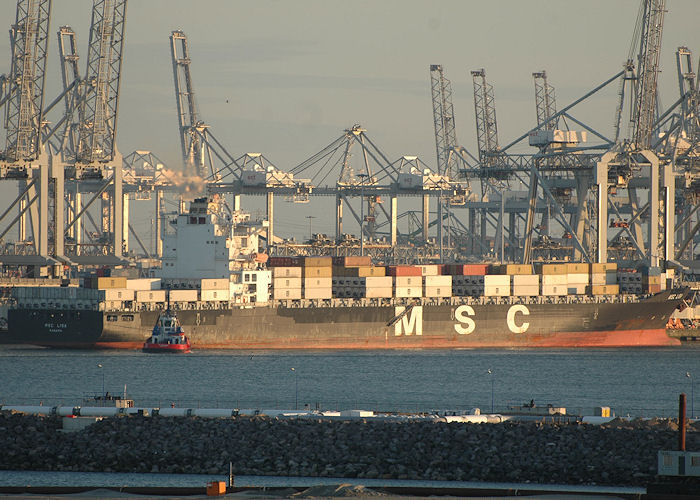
(467, 279)
(652, 280)
(214, 290)
(630, 281)
(286, 283)
(407, 281)
(317, 278)
(604, 279)
(437, 286)
(359, 287)
(496, 285)
(577, 278)
(554, 279)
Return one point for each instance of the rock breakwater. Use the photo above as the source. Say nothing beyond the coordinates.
(619, 453)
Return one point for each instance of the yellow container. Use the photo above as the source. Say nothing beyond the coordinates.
(317, 272)
(599, 268)
(317, 262)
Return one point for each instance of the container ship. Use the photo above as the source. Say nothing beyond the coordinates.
(226, 300)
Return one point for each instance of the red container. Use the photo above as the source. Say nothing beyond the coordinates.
(469, 269)
(283, 262)
(403, 271)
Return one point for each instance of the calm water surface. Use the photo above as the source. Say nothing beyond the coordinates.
(639, 382)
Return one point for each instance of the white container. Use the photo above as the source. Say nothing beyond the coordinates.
(408, 281)
(214, 295)
(430, 270)
(554, 279)
(286, 293)
(554, 290)
(497, 290)
(437, 281)
(150, 295)
(577, 279)
(318, 293)
(378, 293)
(408, 291)
(500, 280)
(526, 280)
(183, 295)
(526, 290)
(286, 272)
(286, 283)
(317, 283)
(143, 284)
(214, 284)
(437, 291)
(377, 282)
(119, 294)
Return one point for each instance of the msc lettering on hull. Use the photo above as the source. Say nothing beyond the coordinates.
(466, 323)
(410, 323)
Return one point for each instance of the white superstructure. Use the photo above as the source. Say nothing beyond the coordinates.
(209, 243)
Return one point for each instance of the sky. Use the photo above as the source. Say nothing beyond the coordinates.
(286, 78)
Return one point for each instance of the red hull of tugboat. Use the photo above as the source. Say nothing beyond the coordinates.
(166, 348)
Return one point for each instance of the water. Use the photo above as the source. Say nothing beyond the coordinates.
(638, 382)
(114, 480)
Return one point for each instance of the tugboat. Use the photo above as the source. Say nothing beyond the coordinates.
(167, 336)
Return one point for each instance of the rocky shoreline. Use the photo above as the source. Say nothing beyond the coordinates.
(619, 453)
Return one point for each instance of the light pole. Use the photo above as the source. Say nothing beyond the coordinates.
(296, 389)
(103, 379)
(362, 213)
(310, 217)
(490, 372)
(692, 395)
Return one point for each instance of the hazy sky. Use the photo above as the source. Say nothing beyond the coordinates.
(295, 74)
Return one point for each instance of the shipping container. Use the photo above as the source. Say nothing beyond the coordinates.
(119, 294)
(104, 283)
(286, 293)
(576, 288)
(554, 279)
(318, 293)
(468, 269)
(578, 268)
(407, 291)
(283, 262)
(403, 271)
(378, 293)
(553, 290)
(377, 281)
(500, 280)
(437, 291)
(526, 280)
(353, 261)
(439, 281)
(317, 261)
(604, 267)
(526, 290)
(578, 278)
(510, 269)
(214, 284)
(150, 295)
(606, 278)
(143, 284)
(605, 289)
(317, 272)
(497, 290)
(286, 282)
(183, 295)
(210, 295)
(430, 270)
(360, 271)
(317, 283)
(408, 281)
(551, 269)
(651, 280)
(286, 272)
